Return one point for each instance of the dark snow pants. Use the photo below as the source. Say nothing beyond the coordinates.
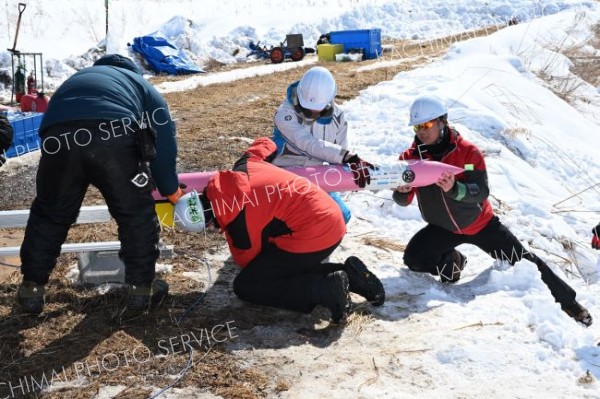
(429, 249)
(75, 155)
(285, 280)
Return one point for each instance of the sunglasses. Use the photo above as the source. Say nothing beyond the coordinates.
(424, 125)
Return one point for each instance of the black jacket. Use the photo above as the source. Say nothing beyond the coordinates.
(6, 134)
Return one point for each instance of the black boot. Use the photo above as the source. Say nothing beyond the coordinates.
(335, 296)
(141, 297)
(453, 265)
(363, 282)
(31, 297)
(578, 312)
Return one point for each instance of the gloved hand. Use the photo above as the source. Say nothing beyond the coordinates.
(596, 237)
(360, 169)
(173, 198)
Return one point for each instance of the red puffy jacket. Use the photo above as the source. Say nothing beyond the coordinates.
(258, 204)
(464, 209)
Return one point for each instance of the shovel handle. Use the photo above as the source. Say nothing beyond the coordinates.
(21, 9)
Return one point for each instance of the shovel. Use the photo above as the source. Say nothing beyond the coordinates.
(21, 9)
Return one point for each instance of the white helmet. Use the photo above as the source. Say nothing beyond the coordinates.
(316, 89)
(425, 109)
(189, 213)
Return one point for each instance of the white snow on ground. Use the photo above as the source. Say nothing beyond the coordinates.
(497, 333)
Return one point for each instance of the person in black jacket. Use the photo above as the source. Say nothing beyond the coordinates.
(6, 137)
(596, 237)
(106, 126)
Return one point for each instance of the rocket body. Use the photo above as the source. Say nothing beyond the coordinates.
(339, 178)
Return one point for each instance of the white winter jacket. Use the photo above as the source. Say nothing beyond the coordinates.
(305, 142)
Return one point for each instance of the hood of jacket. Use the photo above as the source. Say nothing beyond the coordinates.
(227, 190)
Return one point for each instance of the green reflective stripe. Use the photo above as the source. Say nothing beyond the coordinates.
(462, 191)
(469, 167)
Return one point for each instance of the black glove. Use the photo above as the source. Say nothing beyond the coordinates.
(596, 237)
(360, 169)
(401, 198)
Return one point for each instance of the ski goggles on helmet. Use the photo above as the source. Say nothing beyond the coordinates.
(424, 125)
(325, 112)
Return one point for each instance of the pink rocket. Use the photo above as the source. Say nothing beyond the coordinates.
(339, 178)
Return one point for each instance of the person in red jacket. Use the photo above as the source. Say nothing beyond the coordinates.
(280, 228)
(457, 210)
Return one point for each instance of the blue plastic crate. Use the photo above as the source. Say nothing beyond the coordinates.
(25, 126)
(369, 40)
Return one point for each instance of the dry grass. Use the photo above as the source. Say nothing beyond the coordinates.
(282, 386)
(513, 132)
(565, 87)
(585, 68)
(384, 244)
(357, 323)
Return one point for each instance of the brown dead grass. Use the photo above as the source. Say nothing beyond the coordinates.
(585, 66)
(384, 244)
(81, 326)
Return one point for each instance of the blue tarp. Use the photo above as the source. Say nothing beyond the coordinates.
(164, 56)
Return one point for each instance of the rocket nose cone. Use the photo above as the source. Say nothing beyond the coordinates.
(428, 172)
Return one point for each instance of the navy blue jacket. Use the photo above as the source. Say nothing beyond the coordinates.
(116, 94)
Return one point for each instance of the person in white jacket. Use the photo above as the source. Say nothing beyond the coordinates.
(310, 129)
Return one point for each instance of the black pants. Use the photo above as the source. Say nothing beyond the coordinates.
(428, 251)
(69, 164)
(285, 280)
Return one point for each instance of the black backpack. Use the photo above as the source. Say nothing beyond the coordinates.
(6, 134)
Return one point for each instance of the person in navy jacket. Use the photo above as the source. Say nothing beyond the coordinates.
(109, 127)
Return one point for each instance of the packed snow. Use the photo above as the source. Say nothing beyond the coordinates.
(497, 333)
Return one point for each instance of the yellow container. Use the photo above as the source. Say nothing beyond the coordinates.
(165, 212)
(327, 52)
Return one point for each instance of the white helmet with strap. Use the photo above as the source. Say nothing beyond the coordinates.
(316, 89)
(425, 109)
(189, 213)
